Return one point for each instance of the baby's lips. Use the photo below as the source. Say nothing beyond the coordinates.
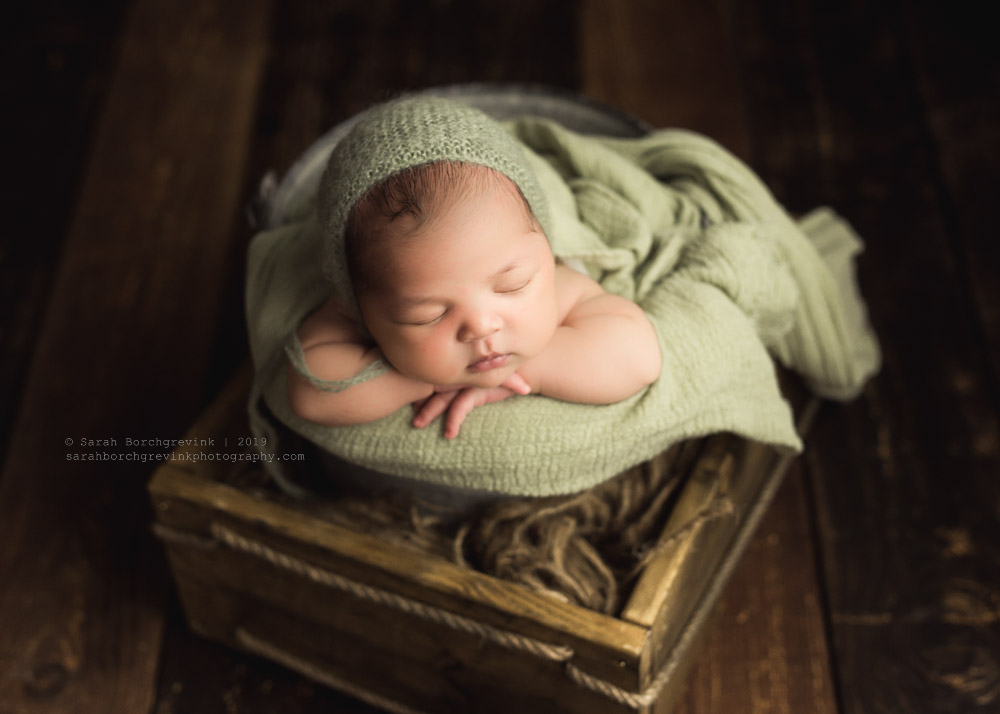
(490, 362)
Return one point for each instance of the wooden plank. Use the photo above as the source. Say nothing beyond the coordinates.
(187, 503)
(121, 355)
(957, 73)
(712, 473)
(741, 473)
(904, 481)
(370, 645)
(666, 63)
(674, 583)
(57, 59)
(673, 64)
(765, 649)
(233, 681)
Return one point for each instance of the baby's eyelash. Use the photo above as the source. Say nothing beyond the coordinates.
(517, 289)
(422, 323)
(431, 321)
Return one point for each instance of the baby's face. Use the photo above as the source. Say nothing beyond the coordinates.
(470, 297)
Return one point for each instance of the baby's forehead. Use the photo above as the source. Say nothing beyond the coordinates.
(412, 199)
(479, 182)
(458, 179)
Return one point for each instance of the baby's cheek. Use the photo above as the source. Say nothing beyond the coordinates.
(434, 356)
(537, 327)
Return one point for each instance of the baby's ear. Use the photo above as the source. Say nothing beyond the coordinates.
(351, 311)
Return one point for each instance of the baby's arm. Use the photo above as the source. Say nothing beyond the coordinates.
(335, 349)
(605, 349)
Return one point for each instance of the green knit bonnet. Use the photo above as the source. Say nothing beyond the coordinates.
(402, 134)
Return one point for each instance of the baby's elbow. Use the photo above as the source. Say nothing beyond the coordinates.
(312, 404)
(649, 369)
(303, 401)
(645, 371)
(648, 358)
(638, 371)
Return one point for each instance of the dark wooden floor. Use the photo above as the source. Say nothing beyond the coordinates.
(135, 130)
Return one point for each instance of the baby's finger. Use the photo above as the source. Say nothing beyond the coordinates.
(460, 409)
(432, 407)
(516, 383)
(419, 404)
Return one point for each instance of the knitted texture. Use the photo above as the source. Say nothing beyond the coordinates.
(671, 221)
(402, 134)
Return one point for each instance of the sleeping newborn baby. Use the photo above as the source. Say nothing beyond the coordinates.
(446, 292)
(418, 283)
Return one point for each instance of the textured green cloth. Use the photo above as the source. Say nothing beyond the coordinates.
(672, 221)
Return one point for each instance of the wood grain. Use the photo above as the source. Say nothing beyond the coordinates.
(957, 76)
(765, 650)
(121, 355)
(374, 646)
(711, 476)
(188, 503)
(675, 65)
(57, 59)
(903, 481)
(667, 63)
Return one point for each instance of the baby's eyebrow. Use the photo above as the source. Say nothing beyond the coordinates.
(409, 301)
(513, 265)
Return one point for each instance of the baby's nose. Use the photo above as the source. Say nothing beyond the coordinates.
(479, 325)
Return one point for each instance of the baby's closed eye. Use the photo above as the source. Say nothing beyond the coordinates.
(421, 320)
(509, 286)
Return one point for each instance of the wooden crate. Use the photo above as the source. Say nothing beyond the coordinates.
(414, 633)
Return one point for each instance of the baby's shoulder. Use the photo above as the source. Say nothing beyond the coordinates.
(573, 288)
(331, 322)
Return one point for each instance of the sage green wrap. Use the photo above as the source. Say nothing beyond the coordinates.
(671, 221)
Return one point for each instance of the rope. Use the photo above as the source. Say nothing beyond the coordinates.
(585, 548)
(540, 649)
(633, 700)
(556, 653)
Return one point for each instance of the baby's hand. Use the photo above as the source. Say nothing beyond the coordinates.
(459, 401)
